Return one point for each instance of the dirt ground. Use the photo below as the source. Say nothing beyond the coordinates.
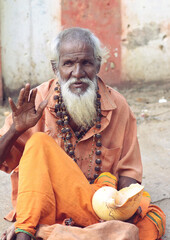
(150, 103)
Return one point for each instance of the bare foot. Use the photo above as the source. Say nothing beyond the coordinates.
(9, 233)
(23, 236)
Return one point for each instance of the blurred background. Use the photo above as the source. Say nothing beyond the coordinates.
(137, 34)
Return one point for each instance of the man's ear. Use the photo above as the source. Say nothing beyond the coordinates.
(98, 68)
(54, 66)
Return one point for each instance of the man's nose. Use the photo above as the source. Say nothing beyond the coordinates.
(78, 71)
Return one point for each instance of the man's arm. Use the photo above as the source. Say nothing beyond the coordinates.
(125, 182)
(6, 142)
(24, 117)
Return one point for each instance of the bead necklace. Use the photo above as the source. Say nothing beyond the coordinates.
(66, 135)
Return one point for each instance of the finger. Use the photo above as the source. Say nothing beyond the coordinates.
(33, 95)
(21, 97)
(12, 104)
(41, 108)
(27, 92)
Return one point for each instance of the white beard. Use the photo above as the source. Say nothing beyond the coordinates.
(81, 106)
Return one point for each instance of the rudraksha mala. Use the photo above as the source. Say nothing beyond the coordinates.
(66, 135)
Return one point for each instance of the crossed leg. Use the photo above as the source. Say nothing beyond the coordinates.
(51, 188)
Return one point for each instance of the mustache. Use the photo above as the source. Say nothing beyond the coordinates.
(75, 80)
(68, 82)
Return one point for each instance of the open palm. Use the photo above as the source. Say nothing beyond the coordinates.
(24, 113)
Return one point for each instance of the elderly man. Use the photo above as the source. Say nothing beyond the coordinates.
(68, 136)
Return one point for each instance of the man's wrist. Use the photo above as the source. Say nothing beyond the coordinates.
(125, 182)
(14, 133)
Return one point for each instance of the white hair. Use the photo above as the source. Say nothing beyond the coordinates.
(80, 34)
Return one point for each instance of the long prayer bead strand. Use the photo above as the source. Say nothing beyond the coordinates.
(63, 124)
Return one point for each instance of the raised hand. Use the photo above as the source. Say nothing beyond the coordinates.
(24, 113)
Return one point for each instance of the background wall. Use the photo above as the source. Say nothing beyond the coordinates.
(145, 40)
(104, 19)
(137, 33)
(27, 28)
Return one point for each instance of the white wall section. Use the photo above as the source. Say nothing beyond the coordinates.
(27, 28)
(146, 40)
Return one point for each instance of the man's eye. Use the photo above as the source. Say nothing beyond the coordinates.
(68, 63)
(86, 62)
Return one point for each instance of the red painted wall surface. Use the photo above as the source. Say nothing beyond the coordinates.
(104, 19)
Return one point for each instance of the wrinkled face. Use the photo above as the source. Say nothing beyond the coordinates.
(77, 61)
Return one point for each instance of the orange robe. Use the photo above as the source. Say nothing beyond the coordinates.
(120, 152)
(52, 188)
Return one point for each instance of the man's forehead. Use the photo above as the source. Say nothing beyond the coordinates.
(76, 48)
